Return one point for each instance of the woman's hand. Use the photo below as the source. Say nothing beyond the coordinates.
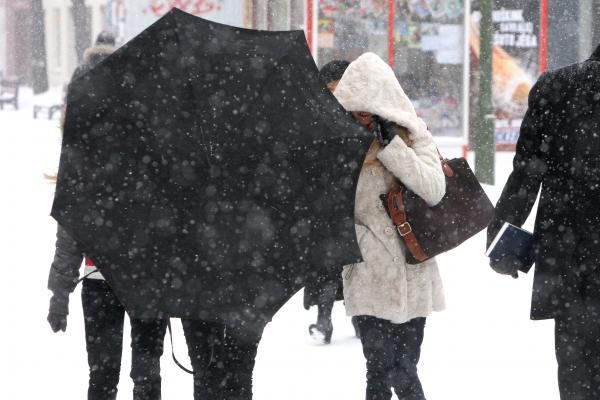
(59, 309)
(58, 322)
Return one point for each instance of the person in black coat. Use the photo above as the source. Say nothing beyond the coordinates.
(559, 151)
(324, 287)
(104, 314)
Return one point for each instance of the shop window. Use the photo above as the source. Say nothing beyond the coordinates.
(427, 42)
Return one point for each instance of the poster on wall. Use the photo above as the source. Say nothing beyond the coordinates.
(142, 13)
(514, 62)
(428, 57)
(348, 28)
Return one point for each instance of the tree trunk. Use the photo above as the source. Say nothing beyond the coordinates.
(39, 64)
(81, 24)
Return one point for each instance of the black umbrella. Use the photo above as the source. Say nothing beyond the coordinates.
(205, 170)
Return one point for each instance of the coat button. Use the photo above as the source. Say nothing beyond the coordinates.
(388, 231)
(397, 260)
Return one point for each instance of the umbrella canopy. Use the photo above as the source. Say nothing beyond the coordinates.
(205, 169)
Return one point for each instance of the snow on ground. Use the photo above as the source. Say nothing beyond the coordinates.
(482, 347)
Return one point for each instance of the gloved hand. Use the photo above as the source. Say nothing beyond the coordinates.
(508, 265)
(385, 130)
(59, 309)
(58, 322)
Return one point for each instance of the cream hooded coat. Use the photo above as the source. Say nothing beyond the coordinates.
(384, 285)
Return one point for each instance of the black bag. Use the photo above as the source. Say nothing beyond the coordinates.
(428, 231)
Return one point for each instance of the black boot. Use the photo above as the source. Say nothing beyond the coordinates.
(322, 330)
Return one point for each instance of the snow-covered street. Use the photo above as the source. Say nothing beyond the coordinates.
(482, 347)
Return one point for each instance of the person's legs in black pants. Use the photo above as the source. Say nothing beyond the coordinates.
(407, 339)
(203, 339)
(147, 339)
(104, 316)
(326, 299)
(392, 352)
(573, 374)
(238, 355)
(377, 349)
(577, 341)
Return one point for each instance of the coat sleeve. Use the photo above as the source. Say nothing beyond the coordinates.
(64, 271)
(529, 164)
(418, 167)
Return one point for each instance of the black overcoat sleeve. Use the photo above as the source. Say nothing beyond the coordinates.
(64, 271)
(529, 164)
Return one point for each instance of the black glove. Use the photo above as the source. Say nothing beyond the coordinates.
(58, 322)
(508, 265)
(59, 309)
(385, 130)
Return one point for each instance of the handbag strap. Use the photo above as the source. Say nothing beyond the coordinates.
(398, 215)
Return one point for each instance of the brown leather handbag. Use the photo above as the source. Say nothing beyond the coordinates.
(428, 231)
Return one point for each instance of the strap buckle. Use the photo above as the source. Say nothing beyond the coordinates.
(404, 228)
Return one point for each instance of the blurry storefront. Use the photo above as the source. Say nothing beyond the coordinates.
(422, 40)
(60, 35)
(517, 60)
(3, 38)
(16, 16)
(135, 15)
(139, 14)
(529, 38)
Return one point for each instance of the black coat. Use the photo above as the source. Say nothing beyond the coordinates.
(559, 150)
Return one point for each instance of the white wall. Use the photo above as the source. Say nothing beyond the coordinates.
(141, 14)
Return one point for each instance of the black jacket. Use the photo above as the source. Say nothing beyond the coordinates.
(559, 150)
(64, 271)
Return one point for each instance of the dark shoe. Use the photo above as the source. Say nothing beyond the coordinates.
(320, 333)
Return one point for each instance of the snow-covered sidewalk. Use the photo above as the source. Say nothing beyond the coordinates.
(482, 347)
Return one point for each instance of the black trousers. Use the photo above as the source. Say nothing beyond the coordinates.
(392, 352)
(577, 343)
(104, 317)
(223, 363)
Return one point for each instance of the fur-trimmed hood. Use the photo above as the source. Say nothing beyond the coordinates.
(95, 54)
(370, 85)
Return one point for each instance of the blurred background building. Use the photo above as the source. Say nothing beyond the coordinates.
(431, 44)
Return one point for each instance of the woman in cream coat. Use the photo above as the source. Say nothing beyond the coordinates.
(389, 297)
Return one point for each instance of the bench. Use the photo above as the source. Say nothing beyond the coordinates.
(48, 103)
(51, 110)
(9, 93)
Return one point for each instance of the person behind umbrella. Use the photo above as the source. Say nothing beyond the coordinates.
(103, 312)
(390, 298)
(323, 289)
(103, 47)
(559, 151)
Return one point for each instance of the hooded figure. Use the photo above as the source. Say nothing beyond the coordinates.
(390, 297)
